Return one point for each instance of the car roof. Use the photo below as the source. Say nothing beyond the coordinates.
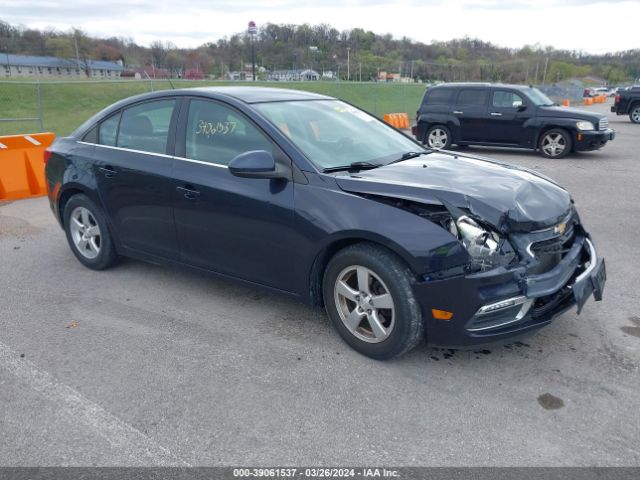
(249, 94)
(479, 85)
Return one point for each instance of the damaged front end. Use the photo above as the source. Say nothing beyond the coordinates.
(516, 280)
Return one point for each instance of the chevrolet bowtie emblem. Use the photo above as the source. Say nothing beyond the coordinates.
(560, 228)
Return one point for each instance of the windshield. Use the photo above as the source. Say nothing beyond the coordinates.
(332, 133)
(538, 98)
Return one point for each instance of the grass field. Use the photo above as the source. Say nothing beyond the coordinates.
(66, 105)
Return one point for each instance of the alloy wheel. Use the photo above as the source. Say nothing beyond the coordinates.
(635, 115)
(85, 232)
(437, 138)
(364, 304)
(554, 144)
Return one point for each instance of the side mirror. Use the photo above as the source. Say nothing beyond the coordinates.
(255, 164)
(519, 106)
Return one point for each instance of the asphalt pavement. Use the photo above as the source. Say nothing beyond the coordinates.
(149, 365)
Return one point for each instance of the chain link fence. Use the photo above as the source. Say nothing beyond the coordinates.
(20, 107)
(60, 107)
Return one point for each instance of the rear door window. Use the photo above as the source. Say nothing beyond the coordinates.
(473, 97)
(145, 127)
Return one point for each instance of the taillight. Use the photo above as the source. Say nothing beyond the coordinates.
(47, 155)
(617, 98)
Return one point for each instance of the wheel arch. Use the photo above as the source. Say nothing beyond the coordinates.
(431, 120)
(553, 126)
(65, 195)
(326, 253)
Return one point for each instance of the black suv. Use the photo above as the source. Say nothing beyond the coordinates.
(627, 102)
(506, 116)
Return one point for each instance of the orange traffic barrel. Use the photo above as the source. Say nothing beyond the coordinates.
(566, 102)
(398, 120)
(22, 165)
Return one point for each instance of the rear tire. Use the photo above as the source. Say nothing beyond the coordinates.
(438, 136)
(555, 143)
(368, 297)
(88, 234)
(634, 114)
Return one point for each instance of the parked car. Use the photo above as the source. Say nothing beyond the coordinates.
(506, 116)
(589, 92)
(607, 92)
(307, 195)
(627, 102)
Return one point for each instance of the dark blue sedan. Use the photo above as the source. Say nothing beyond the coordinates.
(310, 196)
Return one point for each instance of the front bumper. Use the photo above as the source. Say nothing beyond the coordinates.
(592, 139)
(492, 307)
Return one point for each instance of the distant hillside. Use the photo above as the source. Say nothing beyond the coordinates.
(323, 47)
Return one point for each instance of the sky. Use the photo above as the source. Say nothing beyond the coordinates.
(587, 25)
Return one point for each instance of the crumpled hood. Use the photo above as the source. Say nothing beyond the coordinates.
(509, 198)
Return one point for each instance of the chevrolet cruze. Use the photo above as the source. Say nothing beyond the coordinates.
(310, 196)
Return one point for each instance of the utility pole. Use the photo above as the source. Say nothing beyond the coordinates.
(544, 75)
(252, 35)
(348, 65)
(360, 72)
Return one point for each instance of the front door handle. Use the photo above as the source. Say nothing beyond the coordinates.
(108, 171)
(188, 192)
(496, 114)
(457, 112)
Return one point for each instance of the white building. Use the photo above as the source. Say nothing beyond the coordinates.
(54, 67)
(293, 75)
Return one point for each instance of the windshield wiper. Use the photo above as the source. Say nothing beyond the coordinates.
(409, 156)
(352, 166)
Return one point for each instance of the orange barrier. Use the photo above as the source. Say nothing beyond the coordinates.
(566, 102)
(398, 120)
(587, 101)
(22, 165)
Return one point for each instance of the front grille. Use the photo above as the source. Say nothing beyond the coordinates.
(560, 244)
(603, 124)
(549, 252)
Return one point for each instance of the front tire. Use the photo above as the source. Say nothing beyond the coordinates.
(88, 234)
(634, 114)
(368, 297)
(438, 136)
(555, 143)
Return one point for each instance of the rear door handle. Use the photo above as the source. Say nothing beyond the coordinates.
(496, 114)
(188, 192)
(109, 172)
(457, 112)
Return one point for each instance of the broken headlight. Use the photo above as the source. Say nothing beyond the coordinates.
(486, 248)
